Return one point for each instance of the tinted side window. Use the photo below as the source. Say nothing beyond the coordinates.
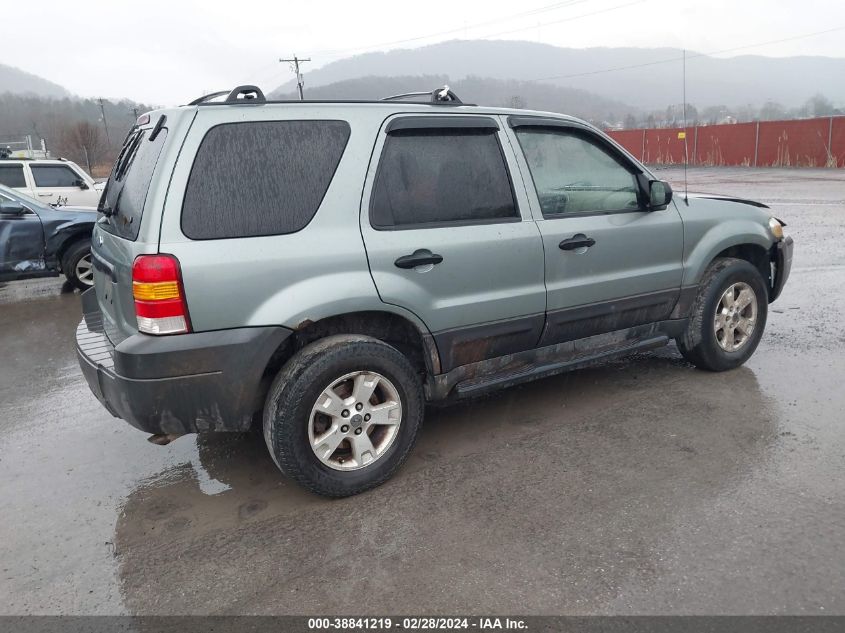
(574, 175)
(261, 178)
(12, 176)
(436, 177)
(54, 176)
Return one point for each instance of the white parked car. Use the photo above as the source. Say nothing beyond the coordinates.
(59, 182)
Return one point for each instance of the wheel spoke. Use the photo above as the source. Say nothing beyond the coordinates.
(728, 297)
(746, 296)
(386, 413)
(729, 338)
(365, 385)
(330, 403)
(363, 450)
(327, 443)
(745, 326)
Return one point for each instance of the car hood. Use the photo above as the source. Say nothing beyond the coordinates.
(716, 196)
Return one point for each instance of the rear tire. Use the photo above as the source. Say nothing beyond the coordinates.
(314, 397)
(77, 265)
(728, 317)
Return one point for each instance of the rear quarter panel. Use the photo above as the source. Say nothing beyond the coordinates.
(286, 280)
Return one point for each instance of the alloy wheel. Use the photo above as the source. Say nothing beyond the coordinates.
(84, 270)
(355, 420)
(736, 316)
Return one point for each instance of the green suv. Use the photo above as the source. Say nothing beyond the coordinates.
(325, 269)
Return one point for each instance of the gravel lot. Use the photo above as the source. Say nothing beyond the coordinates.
(640, 487)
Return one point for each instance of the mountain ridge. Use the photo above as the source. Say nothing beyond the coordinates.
(644, 79)
(16, 81)
(481, 90)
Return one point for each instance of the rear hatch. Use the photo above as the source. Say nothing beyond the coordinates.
(116, 241)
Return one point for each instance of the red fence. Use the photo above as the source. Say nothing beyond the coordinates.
(801, 143)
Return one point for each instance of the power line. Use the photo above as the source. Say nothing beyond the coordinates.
(299, 81)
(694, 55)
(538, 10)
(335, 52)
(569, 19)
(535, 11)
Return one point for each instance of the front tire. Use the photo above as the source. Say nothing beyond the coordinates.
(77, 265)
(728, 316)
(343, 414)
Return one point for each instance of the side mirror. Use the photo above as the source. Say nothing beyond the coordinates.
(12, 208)
(659, 195)
(81, 184)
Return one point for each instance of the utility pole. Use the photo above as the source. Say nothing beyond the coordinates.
(299, 81)
(105, 126)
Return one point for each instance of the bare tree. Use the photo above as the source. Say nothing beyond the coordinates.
(83, 141)
(517, 102)
(819, 105)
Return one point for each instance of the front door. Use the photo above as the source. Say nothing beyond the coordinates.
(610, 263)
(60, 184)
(21, 244)
(451, 239)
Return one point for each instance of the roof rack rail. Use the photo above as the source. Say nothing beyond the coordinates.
(246, 93)
(208, 97)
(240, 94)
(438, 95)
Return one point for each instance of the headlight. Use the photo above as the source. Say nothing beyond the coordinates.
(776, 228)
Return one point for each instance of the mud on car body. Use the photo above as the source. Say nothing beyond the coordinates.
(324, 269)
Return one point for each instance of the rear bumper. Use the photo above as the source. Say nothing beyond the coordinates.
(208, 381)
(783, 265)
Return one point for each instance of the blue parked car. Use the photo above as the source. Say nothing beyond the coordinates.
(38, 240)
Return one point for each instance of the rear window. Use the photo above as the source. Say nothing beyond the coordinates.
(12, 176)
(126, 190)
(261, 178)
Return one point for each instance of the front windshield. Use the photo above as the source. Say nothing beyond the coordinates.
(17, 195)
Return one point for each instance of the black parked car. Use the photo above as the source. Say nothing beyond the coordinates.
(37, 240)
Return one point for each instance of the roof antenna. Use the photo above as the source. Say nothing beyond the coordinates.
(686, 146)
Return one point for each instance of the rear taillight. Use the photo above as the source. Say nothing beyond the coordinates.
(160, 305)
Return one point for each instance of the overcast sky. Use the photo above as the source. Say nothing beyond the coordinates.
(167, 52)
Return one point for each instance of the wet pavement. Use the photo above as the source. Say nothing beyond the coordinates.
(642, 486)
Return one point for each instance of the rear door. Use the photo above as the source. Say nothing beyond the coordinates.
(13, 175)
(610, 263)
(450, 237)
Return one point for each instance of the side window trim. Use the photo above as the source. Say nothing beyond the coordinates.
(589, 136)
(448, 122)
(452, 123)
